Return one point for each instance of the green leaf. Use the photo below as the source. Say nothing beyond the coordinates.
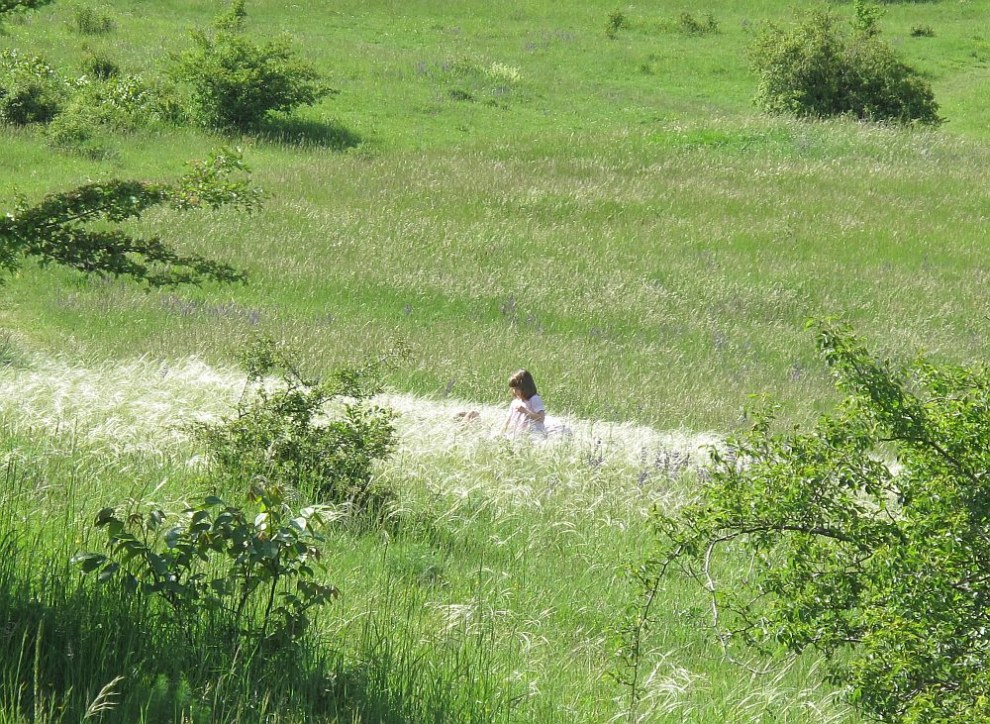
(108, 572)
(88, 562)
(105, 516)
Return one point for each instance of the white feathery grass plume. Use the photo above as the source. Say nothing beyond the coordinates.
(105, 701)
(144, 406)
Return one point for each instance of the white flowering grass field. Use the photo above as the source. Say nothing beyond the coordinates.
(496, 593)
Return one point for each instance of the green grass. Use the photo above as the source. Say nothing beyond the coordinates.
(607, 212)
(493, 187)
(495, 592)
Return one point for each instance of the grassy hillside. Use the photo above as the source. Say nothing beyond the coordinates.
(495, 185)
(607, 212)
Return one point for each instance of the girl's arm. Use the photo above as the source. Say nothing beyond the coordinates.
(534, 409)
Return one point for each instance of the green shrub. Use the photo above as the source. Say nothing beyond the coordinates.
(255, 564)
(817, 70)
(866, 17)
(31, 91)
(233, 19)
(616, 22)
(288, 434)
(690, 25)
(808, 539)
(10, 6)
(100, 110)
(236, 84)
(123, 103)
(79, 133)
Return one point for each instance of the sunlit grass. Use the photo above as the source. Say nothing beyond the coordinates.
(494, 592)
(644, 243)
(492, 188)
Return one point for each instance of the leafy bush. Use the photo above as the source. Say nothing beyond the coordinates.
(10, 6)
(31, 91)
(123, 103)
(78, 133)
(616, 22)
(236, 83)
(284, 434)
(810, 540)
(816, 70)
(866, 17)
(233, 19)
(255, 565)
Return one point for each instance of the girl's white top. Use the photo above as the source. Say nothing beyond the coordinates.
(518, 422)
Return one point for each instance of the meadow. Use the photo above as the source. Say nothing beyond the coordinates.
(494, 186)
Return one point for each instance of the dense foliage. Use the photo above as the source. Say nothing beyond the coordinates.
(883, 567)
(321, 436)
(9, 6)
(820, 69)
(250, 567)
(236, 83)
(63, 228)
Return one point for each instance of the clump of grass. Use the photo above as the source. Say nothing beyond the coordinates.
(92, 20)
(101, 65)
(691, 25)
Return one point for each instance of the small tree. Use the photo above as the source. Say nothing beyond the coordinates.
(60, 229)
(809, 540)
(818, 69)
(236, 83)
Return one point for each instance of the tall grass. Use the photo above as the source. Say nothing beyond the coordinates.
(663, 277)
(644, 243)
(492, 591)
(493, 187)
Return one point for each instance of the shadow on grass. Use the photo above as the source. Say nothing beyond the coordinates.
(292, 131)
(71, 650)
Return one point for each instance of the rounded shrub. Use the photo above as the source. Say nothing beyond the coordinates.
(236, 83)
(101, 109)
(821, 69)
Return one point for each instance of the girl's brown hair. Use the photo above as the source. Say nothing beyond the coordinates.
(523, 381)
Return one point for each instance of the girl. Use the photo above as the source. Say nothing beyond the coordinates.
(526, 413)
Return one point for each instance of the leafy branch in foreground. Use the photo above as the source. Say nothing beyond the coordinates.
(260, 559)
(60, 229)
(808, 540)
